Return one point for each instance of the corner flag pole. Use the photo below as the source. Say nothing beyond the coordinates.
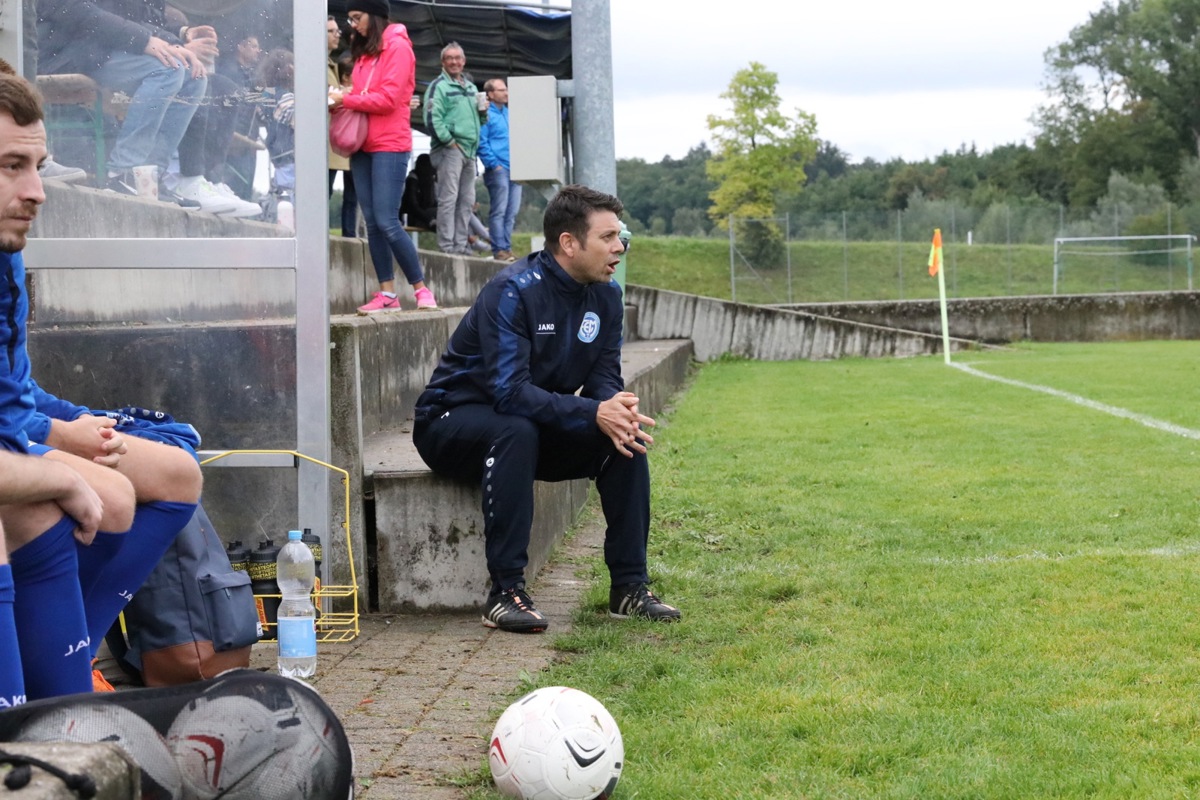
(937, 267)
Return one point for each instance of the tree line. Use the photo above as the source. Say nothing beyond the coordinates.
(1118, 133)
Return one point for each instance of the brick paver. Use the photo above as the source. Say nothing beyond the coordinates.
(418, 694)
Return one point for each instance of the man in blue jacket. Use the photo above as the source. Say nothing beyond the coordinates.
(530, 388)
(504, 195)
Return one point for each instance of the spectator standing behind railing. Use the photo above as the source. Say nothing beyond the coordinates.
(123, 45)
(452, 115)
(504, 194)
(277, 77)
(382, 87)
(339, 73)
(238, 66)
(205, 145)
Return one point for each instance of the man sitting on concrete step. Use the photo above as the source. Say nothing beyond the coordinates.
(501, 408)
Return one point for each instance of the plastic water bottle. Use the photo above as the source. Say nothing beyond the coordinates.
(297, 632)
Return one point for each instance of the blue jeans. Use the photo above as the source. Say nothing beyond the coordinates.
(349, 201)
(379, 181)
(162, 102)
(505, 198)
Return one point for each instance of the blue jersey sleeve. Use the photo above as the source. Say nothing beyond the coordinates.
(47, 408)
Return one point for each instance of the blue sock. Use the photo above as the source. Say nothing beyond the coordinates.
(155, 526)
(48, 610)
(94, 557)
(12, 680)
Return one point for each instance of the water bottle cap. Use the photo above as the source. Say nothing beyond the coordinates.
(293, 535)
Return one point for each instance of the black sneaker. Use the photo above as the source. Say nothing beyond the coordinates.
(122, 183)
(636, 600)
(512, 610)
(165, 195)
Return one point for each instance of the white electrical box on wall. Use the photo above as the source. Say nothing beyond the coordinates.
(535, 129)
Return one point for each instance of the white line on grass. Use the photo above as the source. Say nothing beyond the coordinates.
(1178, 551)
(1149, 422)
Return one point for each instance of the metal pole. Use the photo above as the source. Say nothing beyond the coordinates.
(899, 255)
(591, 54)
(953, 251)
(1191, 242)
(845, 260)
(1008, 245)
(1054, 280)
(732, 269)
(1170, 253)
(787, 249)
(313, 405)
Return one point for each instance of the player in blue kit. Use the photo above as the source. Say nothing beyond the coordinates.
(69, 578)
(501, 408)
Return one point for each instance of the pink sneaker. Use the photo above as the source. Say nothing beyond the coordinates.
(381, 302)
(425, 298)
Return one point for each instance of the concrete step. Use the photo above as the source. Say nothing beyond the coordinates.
(429, 530)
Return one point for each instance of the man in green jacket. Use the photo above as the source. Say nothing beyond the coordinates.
(452, 115)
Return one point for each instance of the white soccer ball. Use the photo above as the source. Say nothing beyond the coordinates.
(97, 722)
(310, 767)
(222, 744)
(556, 743)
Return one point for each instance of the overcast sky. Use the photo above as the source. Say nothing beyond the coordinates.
(884, 79)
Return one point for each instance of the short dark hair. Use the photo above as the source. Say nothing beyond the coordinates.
(18, 97)
(568, 212)
(345, 67)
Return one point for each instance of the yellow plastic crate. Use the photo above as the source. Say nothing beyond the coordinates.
(332, 626)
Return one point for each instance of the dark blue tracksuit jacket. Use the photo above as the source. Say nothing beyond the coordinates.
(534, 337)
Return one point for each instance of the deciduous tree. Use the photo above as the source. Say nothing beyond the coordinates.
(760, 152)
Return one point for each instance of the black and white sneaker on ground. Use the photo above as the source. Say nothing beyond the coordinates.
(636, 600)
(122, 183)
(167, 195)
(512, 610)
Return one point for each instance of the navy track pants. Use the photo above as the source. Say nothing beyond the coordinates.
(505, 453)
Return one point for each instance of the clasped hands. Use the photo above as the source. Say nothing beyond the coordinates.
(620, 421)
(92, 437)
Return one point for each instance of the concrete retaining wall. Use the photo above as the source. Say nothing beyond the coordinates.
(717, 327)
(1042, 318)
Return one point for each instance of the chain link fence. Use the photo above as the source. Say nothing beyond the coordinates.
(1003, 250)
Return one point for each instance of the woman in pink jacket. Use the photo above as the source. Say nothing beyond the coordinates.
(382, 87)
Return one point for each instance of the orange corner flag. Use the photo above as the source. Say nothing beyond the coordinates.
(935, 253)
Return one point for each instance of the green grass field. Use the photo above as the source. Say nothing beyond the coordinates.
(903, 581)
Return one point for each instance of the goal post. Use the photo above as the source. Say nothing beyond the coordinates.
(1141, 263)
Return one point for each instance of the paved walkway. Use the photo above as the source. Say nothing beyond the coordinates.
(418, 695)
